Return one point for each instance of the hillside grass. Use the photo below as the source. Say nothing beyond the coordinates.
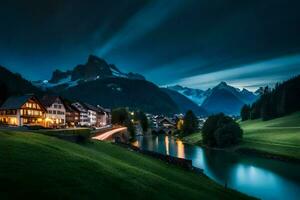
(279, 136)
(38, 166)
(193, 139)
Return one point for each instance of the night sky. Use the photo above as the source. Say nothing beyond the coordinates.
(195, 43)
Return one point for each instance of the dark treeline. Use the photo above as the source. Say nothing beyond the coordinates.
(14, 84)
(284, 99)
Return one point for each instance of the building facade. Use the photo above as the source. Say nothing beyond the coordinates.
(56, 111)
(83, 114)
(103, 117)
(72, 115)
(23, 110)
(92, 114)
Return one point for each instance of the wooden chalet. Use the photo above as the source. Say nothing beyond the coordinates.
(23, 110)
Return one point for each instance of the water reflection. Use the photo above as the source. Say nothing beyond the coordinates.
(167, 145)
(180, 149)
(263, 178)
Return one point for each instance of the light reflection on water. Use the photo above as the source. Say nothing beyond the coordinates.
(259, 177)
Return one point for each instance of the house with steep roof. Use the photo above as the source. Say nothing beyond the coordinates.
(23, 110)
(92, 114)
(72, 115)
(103, 116)
(56, 111)
(83, 114)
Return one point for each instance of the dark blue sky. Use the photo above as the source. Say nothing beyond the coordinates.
(195, 43)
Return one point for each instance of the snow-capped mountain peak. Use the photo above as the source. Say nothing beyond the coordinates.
(94, 69)
(218, 94)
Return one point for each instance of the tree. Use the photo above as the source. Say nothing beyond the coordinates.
(144, 122)
(190, 123)
(228, 135)
(119, 116)
(284, 99)
(221, 131)
(130, 128)
(245, 112)
(142, 118)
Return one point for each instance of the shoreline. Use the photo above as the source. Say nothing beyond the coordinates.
(252, 152)
(265, 154)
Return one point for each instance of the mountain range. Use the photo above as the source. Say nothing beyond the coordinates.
(95, 68)
(97, 82)
(221, 98)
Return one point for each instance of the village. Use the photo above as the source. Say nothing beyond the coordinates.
(52, 112)
(55, 112)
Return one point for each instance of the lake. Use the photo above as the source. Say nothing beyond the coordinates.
(255, 176)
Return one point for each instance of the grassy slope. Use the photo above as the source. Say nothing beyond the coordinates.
(41, 166)
(193, 139)
(279, 136)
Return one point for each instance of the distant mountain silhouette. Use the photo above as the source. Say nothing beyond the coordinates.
(223, 101)
(184, 104)
(123, 92)
(221, 98)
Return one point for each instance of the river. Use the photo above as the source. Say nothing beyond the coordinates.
(255, 176)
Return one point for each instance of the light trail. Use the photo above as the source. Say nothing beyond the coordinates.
(108, 134)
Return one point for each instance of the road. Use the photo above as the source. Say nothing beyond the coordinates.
(108, 134)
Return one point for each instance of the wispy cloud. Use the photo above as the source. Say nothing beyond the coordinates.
(145, 20)
(248, 76)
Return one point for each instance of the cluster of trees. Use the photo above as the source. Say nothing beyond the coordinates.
(121, 116)
(221, 131)
(142, 119)
(280, 101)
(187, 125)
(190, 123)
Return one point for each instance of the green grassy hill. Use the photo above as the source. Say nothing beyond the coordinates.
(40, 166)
(279, 136)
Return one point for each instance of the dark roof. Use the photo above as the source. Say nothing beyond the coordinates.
(103, 109)
(49, 100)
(91, 107)
(166, 120)
(16, 102)
(70, 108)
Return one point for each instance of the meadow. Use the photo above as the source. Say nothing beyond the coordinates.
(39, 166)
(279, 136)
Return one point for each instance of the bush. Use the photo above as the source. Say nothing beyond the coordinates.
(221, 131)
(142, 118)
(120, 116)
(130, 128)
(190, 123)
